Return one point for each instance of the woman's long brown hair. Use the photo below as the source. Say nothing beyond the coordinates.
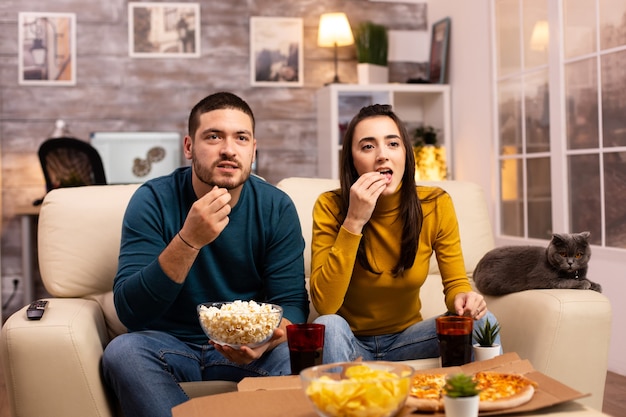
(410, 208)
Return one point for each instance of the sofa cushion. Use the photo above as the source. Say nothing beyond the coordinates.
(113, 323)
(304, 193)
(79, 238)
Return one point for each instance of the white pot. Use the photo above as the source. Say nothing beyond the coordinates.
(461, 406)
(482, 353)
(372, 74)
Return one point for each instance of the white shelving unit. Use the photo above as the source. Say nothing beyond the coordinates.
(415, 104)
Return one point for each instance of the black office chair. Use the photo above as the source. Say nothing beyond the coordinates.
(70, 162)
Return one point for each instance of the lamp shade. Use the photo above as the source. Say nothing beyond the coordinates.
(334, 30)
(540, 36)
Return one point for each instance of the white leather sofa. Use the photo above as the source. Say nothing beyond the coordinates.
(52, 366)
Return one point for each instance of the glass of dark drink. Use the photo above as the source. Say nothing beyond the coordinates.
(455, 340)
(306, 345)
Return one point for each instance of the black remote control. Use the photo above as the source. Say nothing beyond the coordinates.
(35, 309)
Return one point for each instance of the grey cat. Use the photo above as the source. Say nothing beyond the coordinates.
(563, 264)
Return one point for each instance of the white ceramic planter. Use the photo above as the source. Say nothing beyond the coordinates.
(461, 406)
(482, 353)
(372, 74)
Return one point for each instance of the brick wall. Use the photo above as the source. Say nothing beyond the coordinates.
(114, 92)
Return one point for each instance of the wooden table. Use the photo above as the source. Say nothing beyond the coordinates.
(29, 217)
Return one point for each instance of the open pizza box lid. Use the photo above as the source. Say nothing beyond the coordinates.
(548, 391)
(283, 395)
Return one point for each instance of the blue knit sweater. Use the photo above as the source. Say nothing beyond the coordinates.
(258, 256)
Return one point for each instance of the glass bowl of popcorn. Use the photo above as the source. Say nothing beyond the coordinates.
(239, 323)
(364, 389)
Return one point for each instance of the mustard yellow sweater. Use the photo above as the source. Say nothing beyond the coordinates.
(376, 304)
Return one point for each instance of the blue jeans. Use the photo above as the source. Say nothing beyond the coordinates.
(144, 370)
(418, 341)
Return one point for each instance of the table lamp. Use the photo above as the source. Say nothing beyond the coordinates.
(540, 37)
(335, 31)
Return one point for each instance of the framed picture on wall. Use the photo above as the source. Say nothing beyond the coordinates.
(439, 43)
(47, 48)
(276, 51)
(164, 30)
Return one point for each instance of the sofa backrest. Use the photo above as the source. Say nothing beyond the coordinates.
(78, 242)
(79, 238)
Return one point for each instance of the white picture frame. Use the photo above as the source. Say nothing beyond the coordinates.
(47, 49)
(163, 30)
(276, 52)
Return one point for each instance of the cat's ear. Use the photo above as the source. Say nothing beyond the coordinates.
(584, 235)
(557, 238)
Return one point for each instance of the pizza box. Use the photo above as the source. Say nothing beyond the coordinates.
(548, 392)
(280, 396)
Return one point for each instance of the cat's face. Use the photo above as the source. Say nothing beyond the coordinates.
(569, 252)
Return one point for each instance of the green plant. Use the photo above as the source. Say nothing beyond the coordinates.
(486, 334)
(371, 43)
(425, 135)
(461, 385)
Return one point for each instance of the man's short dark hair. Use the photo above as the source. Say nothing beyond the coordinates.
(217, 101)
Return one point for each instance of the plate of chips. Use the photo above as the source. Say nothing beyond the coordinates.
(363, 389)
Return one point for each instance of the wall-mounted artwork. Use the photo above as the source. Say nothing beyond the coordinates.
(164, 30)
(47, 48)
(439, 43)
(276, 51)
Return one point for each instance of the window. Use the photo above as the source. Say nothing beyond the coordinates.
(560, 117)
(524, 118)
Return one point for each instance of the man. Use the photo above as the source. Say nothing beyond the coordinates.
(208, 232)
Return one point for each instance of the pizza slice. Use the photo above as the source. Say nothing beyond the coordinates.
(500, 391)
(426, 392)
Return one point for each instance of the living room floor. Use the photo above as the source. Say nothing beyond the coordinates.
(614, 396)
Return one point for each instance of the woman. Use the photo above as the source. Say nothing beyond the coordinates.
(371, 248)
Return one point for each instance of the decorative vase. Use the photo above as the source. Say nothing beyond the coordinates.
(461, 406)
(482, 353)
(372, 74)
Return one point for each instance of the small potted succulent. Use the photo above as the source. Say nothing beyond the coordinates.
(485, 337)
(461, 397)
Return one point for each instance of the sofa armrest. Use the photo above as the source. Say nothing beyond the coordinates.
(52, 366)
(564, 333)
